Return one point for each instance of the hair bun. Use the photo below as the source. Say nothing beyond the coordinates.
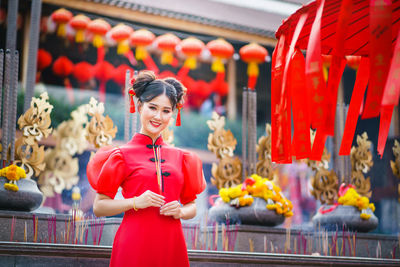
(142, 80)
(179, 88)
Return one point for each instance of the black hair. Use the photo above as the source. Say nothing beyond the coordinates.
(147, 87)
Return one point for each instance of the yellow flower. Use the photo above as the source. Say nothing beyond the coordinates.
(372, 206)
(11, 187)
(365, 216)
(288, 214)
(223, 192)
(271, 206)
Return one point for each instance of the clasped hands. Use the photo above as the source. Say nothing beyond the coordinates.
(151, 199)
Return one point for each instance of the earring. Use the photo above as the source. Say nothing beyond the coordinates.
(178, 117)
(131, 101)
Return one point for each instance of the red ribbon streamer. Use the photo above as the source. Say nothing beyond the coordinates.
(355, 104)
(337, 65)
(380, 53)
(279, 151)
(150, 65)
(384, 125)
(301, 120)
(314, 74)
(391, 93)
(318, 145)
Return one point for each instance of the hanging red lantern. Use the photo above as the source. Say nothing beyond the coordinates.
(79, 23)
(3, 15)
(353, 61)
(167, 43)
(192, 48)
(103, 71)
(141, 38)
(253, 54)
(63, 67)
(120, 73)
(120, 33)
(220, 50)
(83, 72)
(61, 17)
(44, 60)
(99, 28)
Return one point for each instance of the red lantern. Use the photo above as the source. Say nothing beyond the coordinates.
(167, 43)
(353, 61)
(120, 33)
(141, 39)
(63, 67)
(44, 59)
(83, 72)
(120, 73)
(253, 54)
(99, 28)
(219, 49)
(192, 48)
(3, 15)
(103, 72)
(79, 23)
(61, 17)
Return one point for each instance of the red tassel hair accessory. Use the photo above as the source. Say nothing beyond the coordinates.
(178, 117)
(131, 93)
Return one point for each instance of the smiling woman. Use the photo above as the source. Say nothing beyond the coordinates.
(159, 182)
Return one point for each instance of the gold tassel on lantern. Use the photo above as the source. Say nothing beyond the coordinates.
(79, 36)
(252, 69)
(141, 53)
(123, 47)
(167, 57)
(191, 62)
(218, 65)
(97, 41)
(62, 30)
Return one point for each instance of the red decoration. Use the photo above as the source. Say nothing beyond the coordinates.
(63, 67)
(79, 23)
(132, 102)
(220, 50)
(167, 43)
(178, 117)
(3, 15)
(120, 33)
(141, 38)
(253, 54)
(44, 60)
(83, 72)
(119, 75)
(98, 28)
(191, 48)
(103, 72)
(353, 61)
(61, 17)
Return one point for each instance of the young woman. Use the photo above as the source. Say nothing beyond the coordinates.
(159, 182)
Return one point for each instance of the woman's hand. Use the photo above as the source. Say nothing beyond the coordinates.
(149, 199)
(172, 208)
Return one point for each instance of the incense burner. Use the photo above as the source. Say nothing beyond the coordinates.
(27, 198)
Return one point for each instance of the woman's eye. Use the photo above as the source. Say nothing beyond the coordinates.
(153, 108)
(167, 111)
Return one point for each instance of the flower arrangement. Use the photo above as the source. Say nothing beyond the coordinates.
(350, 197)
(257, 186)
(13, 173)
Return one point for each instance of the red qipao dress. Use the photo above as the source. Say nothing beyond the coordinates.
(146, 238)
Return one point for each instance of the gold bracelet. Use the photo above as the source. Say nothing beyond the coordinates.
(134, 206)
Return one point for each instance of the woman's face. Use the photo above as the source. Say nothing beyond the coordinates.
(155, 115)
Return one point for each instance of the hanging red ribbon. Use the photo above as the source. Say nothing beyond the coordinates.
(391, 93)
(278, 120)
(337, 65)
(150, 65)
(314, 73)
(384, 125)
(318, 145)
(380, 44)
(301, 120)
(355, 104)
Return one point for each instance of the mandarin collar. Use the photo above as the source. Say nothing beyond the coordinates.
(146, 140)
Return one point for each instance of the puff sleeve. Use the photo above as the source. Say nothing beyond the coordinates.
(106, 171)
(194, 182)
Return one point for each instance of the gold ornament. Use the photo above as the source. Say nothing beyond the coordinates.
(325, 186)
(228, 171)
(264, 164)
(395, 165)
(61, 172)
(361, 163)
(100, 130)
(34, 124)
